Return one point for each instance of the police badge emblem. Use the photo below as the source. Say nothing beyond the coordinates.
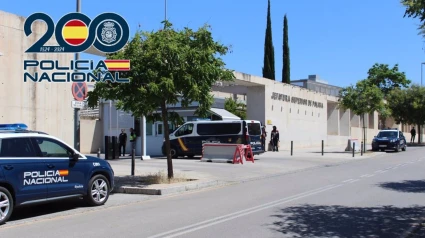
(109, 33)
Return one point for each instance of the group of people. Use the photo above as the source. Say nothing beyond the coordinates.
(274, 138)
(123, 141)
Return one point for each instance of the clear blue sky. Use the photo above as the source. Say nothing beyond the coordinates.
(338, 40)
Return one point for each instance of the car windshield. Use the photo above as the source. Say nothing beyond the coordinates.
(387, 134)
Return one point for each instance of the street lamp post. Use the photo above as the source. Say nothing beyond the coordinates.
(77, 110)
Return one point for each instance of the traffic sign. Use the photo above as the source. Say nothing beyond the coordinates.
(79, 91)
(78, 104)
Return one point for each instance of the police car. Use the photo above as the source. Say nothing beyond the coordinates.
(389, 139)
(36, 167)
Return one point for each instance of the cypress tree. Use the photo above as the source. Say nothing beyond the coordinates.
(269, 66)
(286, 71)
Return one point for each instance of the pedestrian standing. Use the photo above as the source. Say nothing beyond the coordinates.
(275, 139)
(122, 141)
(413, 134)
(132, 140)
(263, 138)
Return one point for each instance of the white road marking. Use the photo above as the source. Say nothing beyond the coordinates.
(370, 175)
(365, 176)
(380, 171)
(354, 180)
(347, 181)
(221, 219)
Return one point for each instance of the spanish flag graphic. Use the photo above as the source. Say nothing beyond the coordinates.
(63, 172)
(75, 32)
(118, 65)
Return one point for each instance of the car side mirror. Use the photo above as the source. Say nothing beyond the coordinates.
(75, 157)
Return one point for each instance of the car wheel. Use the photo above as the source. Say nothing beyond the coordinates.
(6, 205)
(173, 153)
(404, 148)
(98, 190)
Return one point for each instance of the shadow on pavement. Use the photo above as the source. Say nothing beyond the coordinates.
(407, 186)
(46, 209)
(415, 144)
(342, 221)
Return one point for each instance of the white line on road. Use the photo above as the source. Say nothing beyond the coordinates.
(370, 175)
(354, 180)
(221, 219)
(347, 181)
(365, 176)
(380, 171)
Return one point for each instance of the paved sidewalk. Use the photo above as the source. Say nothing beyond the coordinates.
(207, 174)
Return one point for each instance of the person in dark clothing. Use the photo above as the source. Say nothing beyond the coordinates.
(263, 138)
(275, 139)
(413, 134)
(123, 141)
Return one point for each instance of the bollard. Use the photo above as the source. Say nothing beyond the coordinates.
(132, 162)
(98, 153)
(292, 147)
(354, 148)
(323, 147)
(361, 151)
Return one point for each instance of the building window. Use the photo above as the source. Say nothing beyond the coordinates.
(219, 129)
(149, 128)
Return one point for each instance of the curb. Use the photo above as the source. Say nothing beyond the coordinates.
(168, 191)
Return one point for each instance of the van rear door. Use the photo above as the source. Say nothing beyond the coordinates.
(254, 135)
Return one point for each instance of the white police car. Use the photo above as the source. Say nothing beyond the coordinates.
(36, 167)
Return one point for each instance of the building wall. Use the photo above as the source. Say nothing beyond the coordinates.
(303, 124)
(42, 106)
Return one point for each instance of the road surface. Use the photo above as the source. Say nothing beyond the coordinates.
(377, 197)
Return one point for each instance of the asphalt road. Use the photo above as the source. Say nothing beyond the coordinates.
(377, 197)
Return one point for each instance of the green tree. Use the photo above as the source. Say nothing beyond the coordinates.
(237, 108)
(415, 9)
(361, 99)
(269, 66)
(167, 66)
(386, 79)
(408, 106)
(286, 69)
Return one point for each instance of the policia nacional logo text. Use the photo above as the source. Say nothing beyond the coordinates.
(46, 177)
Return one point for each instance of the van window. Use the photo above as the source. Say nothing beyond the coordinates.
(186, 129)
(17, 147)
(219, 128)
(254, 129)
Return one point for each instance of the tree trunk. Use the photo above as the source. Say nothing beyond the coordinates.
(167, 139)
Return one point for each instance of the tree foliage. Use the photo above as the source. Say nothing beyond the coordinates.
(167, 67)
(415, 9)
(386, 79)
(269, 66)
(237, 108)
(362, 98)
(286, 71)
(408, 105)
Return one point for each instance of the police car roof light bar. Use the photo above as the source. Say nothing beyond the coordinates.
(13, 127)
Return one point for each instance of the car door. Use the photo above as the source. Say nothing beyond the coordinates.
(188, 143)
(67, 177)
(23, 169)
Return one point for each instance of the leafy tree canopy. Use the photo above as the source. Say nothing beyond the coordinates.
(408, 105)
(387, 78)
(167, 67)
(362, 98)
(415, 9)
(238, 109)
